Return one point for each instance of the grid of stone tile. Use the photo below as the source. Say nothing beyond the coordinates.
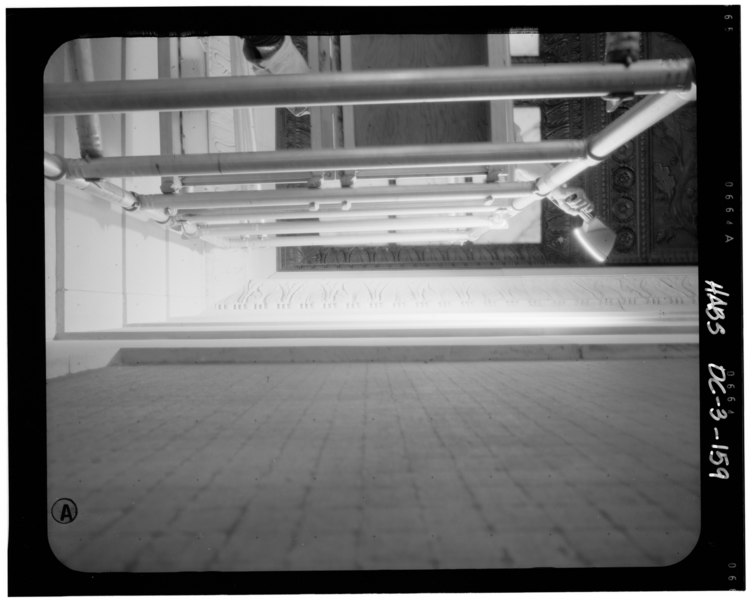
(376, 465)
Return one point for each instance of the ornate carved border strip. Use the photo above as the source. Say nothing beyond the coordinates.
(665, 293)
(646, 190)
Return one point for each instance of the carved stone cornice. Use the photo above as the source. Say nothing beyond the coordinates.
(436, 294)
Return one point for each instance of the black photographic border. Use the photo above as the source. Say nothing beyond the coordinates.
(712, 33)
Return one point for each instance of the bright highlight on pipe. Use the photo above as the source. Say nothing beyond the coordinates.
(595, 237)
(669, 85)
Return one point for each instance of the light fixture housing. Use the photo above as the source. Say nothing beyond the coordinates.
(596, 237)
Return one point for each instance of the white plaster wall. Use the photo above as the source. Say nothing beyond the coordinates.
(93, 263)
(265, 127)
(104, 269)
(141, 128)
(50, 261)
(107, 58)
(50, 238)
(146, 272)
(195, 123)
(228, 270)
(186, 278)
(83, 246)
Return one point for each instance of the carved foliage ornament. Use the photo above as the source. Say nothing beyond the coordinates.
(463, 294)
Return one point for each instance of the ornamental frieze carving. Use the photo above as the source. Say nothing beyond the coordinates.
(675, 180)
(673, 183)
(623, 209)
(646, 190)
(465, 294)
(625, 240)
(623, 178)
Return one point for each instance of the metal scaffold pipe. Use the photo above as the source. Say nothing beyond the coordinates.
(255, 216)
(304, 176)
(397, 172)
(481, 192)
(54, 166)
(245, 179)
(113, 194)
(55, 170)
(348, 226)
(628, 126)
(383, 239)
(454, 84)
(639, 118)
(429, 155)
(87, 125)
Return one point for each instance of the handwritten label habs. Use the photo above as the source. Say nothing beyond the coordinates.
(714, 308)
(719, 453)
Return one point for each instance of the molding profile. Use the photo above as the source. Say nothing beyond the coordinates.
(611, 292)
